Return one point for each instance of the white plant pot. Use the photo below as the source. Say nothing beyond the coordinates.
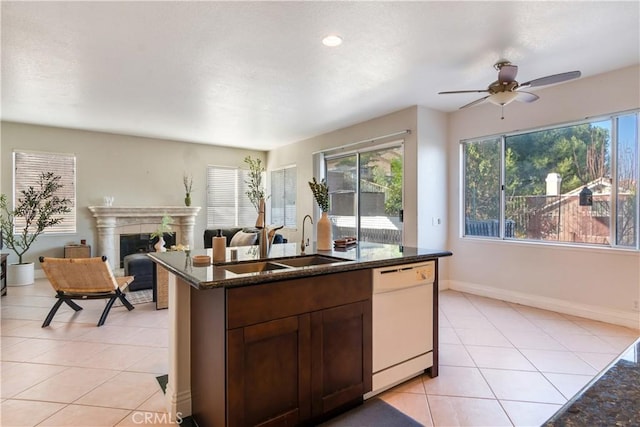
(159, 246)
(20, 274)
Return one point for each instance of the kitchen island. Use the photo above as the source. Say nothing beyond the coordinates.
(280, 341)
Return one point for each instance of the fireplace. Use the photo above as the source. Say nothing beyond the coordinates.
(141, 243)
(114, 221)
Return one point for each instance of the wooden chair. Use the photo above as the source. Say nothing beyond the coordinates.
(84, 279)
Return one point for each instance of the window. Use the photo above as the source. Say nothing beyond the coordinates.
(227, 201)
(28, 166)
(482, 189)
(527, 186)
(626, 179)
(283, 196)
(365, 193)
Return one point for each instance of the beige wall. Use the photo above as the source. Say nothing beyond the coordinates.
(135, 171)
(596, 283)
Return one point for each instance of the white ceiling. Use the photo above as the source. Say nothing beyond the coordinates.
(255, 74)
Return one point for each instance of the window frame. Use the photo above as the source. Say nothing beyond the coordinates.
(241, 200)
(614, 142)
(294, 170)
(70, 224)
(357, 150)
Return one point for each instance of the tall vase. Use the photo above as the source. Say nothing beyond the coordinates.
(187, 200)
(260, 220)
(325, 242)
(159, 246)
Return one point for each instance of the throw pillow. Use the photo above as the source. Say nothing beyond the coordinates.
(244, 239)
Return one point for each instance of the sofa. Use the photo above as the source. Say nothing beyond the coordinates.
(230, 233)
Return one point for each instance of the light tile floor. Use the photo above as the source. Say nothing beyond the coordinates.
(504, 364)
(500, 363)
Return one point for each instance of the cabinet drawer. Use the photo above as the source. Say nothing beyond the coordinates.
(256, 304)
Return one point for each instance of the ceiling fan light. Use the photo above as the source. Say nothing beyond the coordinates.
(502, 98)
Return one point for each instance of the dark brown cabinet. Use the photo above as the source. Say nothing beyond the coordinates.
(340, 364)
(295, 350)
(265, 362)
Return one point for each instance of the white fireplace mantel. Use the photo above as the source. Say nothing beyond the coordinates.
(111, 220)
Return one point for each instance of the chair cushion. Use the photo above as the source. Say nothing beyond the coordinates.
(244, 239)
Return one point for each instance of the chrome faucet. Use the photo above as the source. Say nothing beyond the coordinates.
(302, 244)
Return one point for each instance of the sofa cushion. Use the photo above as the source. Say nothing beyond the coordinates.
(226, 232)
(230, 232)
(244, 239)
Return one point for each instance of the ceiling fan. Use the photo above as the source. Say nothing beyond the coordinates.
(506, 89)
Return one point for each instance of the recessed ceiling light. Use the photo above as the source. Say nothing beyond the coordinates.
(332, 40)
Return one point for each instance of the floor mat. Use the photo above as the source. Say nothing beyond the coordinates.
(372, 413)
(162, 380)
(137, 297)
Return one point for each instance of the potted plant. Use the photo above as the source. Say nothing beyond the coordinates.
(37, 208)
(163, 227)
(187, 180)
(255, 192)
(320, 192)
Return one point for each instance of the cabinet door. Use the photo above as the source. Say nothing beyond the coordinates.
(340, 356)
(268, 373)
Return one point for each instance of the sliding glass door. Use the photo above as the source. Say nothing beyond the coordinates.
(365, 190)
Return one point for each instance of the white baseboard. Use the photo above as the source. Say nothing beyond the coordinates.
(630, 319)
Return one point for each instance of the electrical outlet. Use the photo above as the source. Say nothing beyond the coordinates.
(636, 307)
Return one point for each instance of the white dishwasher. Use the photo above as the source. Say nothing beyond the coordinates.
(402, 312)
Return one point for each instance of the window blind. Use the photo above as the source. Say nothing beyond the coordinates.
(28, 166)
(227, 201)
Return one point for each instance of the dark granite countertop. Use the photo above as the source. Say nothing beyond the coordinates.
(612, 398)
(363, 255)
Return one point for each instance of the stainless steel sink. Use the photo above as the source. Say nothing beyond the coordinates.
(253, 267)
(281, 264)
(309, 260)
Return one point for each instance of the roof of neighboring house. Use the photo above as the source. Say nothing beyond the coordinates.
(600, 185)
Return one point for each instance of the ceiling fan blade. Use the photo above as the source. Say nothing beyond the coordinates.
(555, 78)
(507, 73)
(463, 91)
(526, 97)
(477, 101)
